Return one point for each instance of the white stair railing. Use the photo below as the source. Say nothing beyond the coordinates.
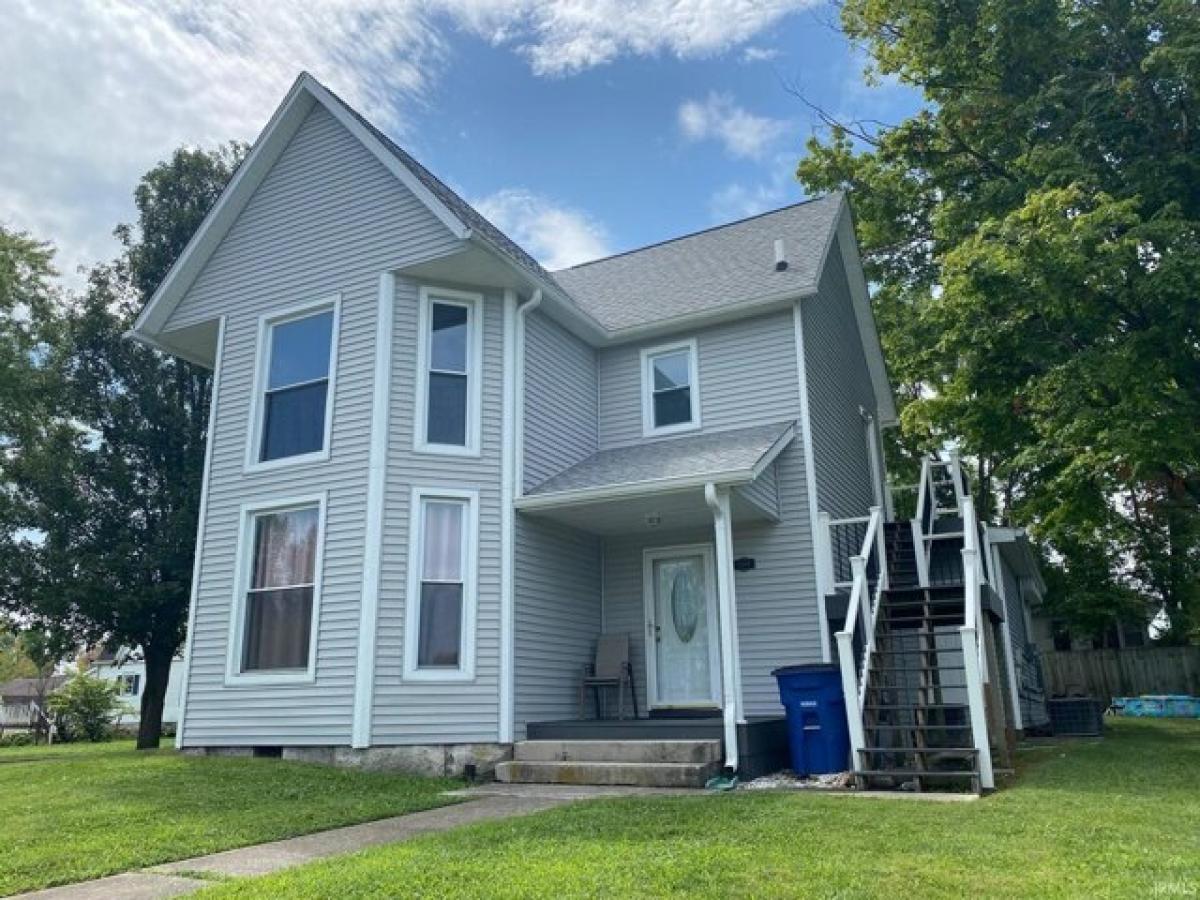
(863, 607)
(973, 655)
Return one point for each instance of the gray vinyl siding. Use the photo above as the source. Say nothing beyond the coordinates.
(557, 617)
(328, 218)
(747, 375)
(839, 383)
(423, 712)
(777, 609)
(560, 399)
(763, 491)
(1033, 710)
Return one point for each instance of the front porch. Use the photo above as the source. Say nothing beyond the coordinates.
(761, 740)
(674, 543)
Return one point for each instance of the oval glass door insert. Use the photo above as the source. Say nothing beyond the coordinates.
(687, 603)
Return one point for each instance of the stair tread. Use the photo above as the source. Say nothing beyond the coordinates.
(917, 727)
(917, 773)
(561, 763)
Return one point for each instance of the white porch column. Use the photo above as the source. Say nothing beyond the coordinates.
(731, 687)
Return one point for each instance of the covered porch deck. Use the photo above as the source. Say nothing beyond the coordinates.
(665, 515)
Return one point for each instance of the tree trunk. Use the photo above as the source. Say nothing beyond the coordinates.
(154, 694)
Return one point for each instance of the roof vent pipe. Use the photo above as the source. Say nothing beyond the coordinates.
(780, 256)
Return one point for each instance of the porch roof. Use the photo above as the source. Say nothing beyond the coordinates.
(723, 458)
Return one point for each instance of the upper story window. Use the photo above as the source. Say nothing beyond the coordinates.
(294, 394)
(276, 607)
(670, 389)
(441, 597)
(129, 683)
(450, 361)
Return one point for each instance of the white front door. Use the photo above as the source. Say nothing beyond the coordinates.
(682, 657)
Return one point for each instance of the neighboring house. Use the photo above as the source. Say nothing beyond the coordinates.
(130, 674)
(438, 473)
(21, 698)
(1051, 634)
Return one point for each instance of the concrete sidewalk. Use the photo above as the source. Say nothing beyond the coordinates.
(482, 804)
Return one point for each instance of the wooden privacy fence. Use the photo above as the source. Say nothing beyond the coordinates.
(1122, 673)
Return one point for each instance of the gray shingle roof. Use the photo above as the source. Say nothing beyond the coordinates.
(721, 267)
(725, 453)
(23, 689)
(456, 204)
(702, 272)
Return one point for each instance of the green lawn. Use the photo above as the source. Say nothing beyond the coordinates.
(1112, 818)
(79, 811)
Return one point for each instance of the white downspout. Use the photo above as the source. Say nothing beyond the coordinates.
(718, 502)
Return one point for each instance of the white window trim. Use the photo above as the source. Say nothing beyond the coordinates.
(262, 363)
(466, 659)
(474, 303)
(243, 563)
(648, 355)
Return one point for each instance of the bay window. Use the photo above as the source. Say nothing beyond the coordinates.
(449, 363)
(441, 595)
(276, 605)
(294, 391)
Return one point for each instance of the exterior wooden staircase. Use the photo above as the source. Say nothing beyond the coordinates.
(910, 651)
(915, 715)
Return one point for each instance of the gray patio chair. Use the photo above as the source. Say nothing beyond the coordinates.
(612, 669)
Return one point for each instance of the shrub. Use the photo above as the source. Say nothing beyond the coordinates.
(86, 708)
(16, 739)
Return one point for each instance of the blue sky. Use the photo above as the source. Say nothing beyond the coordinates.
(581, 127)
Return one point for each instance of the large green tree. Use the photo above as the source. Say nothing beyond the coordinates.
(104, 469)
(1033, 234)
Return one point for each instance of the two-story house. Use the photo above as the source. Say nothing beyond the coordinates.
(437, 473)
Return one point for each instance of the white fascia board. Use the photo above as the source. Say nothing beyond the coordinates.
(385, 156)
(264, 152)
(626, 490)
(305, 93)
(652, 486)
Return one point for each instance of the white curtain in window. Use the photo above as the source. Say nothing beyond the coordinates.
(285, 548)
(443, 541)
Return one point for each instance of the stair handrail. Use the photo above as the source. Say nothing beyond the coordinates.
(971, 648)
(854, 679)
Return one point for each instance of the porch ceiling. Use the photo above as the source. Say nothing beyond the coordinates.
(661, 512)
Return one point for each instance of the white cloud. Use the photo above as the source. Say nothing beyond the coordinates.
(718, 118)
(557, 236)
(564, 36)
(754, 54)
(97, 91)
(105, 89)
(739, 200)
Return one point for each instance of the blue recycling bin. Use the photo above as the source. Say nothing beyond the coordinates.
(818, 735)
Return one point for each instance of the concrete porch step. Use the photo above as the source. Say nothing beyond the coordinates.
(618, 751)
(661, 774)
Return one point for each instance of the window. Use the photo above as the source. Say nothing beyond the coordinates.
(128, 683)
(448, 386)
(275, 611)
(670, 389)
(295, 386)
(440, 620)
